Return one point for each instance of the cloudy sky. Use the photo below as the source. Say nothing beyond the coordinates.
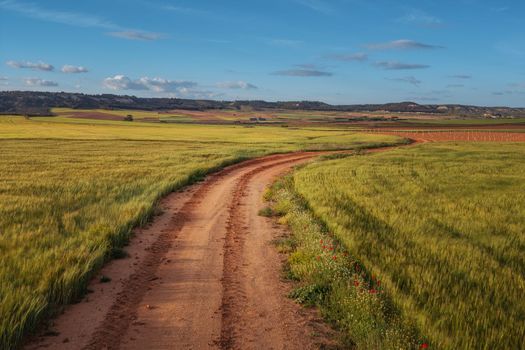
(337, 51)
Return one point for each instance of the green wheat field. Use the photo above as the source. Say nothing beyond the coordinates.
(417, 246)
(72, 190)
(435, 240)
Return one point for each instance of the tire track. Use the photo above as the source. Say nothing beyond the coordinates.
(207, 276)
(234, 296)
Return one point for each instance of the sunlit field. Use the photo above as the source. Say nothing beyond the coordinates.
(71, 190)
(91, 129)
(439, 225)
(328, 277)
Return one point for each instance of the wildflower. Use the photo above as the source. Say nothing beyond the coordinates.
(378, 283)
(321, 241)
(318, 257)
(372, 291)
(356, 283)
(424, 346)
(334, 257)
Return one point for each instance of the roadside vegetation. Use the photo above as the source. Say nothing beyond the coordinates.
(328, 277)
(439, 225)
(72, 190)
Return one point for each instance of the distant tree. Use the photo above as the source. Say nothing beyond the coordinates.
(128, 118)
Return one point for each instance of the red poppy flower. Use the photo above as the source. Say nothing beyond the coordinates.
(424, 346)
(356, 283)
(372, 291)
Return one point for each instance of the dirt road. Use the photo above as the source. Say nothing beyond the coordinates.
(203, 275)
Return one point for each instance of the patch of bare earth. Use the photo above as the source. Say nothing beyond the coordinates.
(443, 136)
(94, 115)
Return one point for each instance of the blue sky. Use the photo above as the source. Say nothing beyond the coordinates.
(339, 51)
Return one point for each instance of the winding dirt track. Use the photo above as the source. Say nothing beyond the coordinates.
(203, 275)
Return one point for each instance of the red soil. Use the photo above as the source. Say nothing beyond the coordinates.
(472, 136)
(95, 115)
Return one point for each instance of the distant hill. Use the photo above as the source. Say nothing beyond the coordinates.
(40, 103)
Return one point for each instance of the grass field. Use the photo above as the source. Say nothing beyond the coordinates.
(441, 226)
(71, 190)
(90, 129)
(331, 279)
(401, 120)
(137, 114)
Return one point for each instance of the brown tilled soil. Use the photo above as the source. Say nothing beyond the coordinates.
(472, 136)
(95, 115)
(396, 126)
(203, 275)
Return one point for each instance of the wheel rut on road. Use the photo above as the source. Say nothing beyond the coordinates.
(203, 275)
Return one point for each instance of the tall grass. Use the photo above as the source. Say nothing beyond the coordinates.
(442, 226)
(70, 192)
(330, 278)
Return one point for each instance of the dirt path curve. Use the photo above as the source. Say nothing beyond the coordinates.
(203, 275)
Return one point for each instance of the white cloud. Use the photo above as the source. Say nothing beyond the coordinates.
(73, 69)
(501, 9)
(316, 5)
(395, 65)
(517, 85)
(76, 19)
(461, 76)
(31, 65)
(236, 85)
(410, 80)
(360, 57)
(402, 44)
(39, 82)
(136, 35)
(184, 10)
(285, 42)
(421, 18)
(69, 18)
(303, 73)
(164, 85)
(122, 82)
